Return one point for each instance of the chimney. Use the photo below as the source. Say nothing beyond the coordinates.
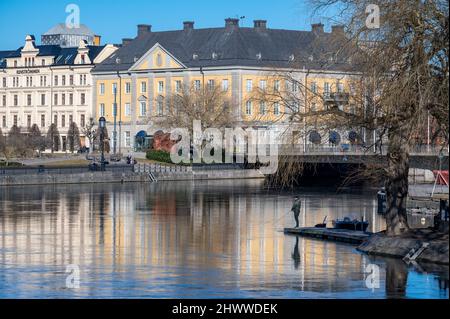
(188, 25)
(143, 29)
(231, 24)
(260, 24)
(337, 29)
(317, 28)
(126, 41)
(97, 40)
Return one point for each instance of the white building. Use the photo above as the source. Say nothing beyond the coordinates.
(47, 85)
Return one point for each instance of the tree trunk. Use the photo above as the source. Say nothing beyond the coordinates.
(397, 184)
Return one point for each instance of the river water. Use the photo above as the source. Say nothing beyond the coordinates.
(216, 239)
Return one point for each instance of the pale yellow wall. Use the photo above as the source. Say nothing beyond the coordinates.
(320, 80)
(108, 99)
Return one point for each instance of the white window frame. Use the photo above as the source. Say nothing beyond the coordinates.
(248, 107)
(249, 85)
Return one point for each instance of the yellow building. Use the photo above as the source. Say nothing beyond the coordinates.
(139, 77)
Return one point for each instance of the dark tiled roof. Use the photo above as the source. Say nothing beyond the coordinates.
(63, 56)
(235, 47)
(3, 55)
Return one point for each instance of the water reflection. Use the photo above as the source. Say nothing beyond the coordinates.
(186, 240)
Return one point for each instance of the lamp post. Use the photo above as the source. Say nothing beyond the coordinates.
(102, 125)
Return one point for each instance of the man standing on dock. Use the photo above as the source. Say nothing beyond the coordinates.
(296, 209)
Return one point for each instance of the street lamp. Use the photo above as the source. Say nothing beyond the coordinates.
(102, 125)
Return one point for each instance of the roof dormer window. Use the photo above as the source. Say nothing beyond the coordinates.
(259, 56)
(195, 56)
(214, 56)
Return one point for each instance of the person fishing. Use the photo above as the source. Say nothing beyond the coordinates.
(296, 209)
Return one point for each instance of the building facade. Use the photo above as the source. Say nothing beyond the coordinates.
(48, 84)
(139, 77)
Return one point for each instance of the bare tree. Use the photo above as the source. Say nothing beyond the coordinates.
(53, 138)
(401, 82)
(73, 137)
(89, 132)
(211, 105)
(106, 142)
(36, 141)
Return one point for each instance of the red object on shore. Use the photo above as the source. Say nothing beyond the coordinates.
(162, 142)
(442, 177)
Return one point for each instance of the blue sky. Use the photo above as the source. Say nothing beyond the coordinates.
(114, 20)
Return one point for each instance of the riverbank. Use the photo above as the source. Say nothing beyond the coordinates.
(118, 174)
(436, 251)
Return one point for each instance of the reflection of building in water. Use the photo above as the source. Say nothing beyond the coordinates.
(184, 226)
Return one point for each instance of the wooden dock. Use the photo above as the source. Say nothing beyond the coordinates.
(341, 235)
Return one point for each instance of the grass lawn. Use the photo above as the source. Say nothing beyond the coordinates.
(71, 162)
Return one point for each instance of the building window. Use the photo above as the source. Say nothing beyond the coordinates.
(15, 120)
(262, 108)
(161, 87)
(276, 108)
(294, 86)
(43, 62)
(63, 121)
(160, 107)
(143, 109)
(55, 119)
(249, 85)
(4, 100)
(82, 120)
(102, 88)
(83, 98)
(71, 79)
(56, 80)
(128, 88)
(178, 86)
(127, 139)
(42, 120)
(28, 99)
(276, 85)
(102, 109)
(71, 99)
(114, 88)
(326, 89)
(143, 87)
(16, 100)
(314, 87)
(340, 88)
(295, 107)
(4, 121)
(262, 84)
(28, 121)
(211, 85)
(63, 80)
(4, 82)
(197, 85)
(56, 99)
(127, 109)
(248, 108)
(63, 99)
(225, 85)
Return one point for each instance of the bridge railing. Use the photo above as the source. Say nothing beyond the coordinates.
(347, 149)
